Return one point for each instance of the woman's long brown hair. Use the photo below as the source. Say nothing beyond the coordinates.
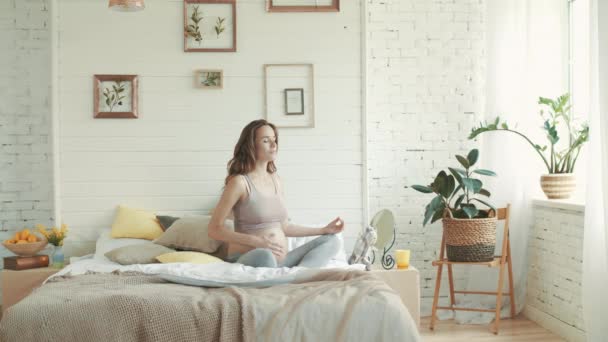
(243, 160)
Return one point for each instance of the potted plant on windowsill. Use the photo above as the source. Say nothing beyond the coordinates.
(559, 182)
(470, 232)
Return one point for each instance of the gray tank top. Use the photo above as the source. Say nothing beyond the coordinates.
(259, 210)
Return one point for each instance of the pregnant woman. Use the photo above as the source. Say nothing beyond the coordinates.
(253, 192)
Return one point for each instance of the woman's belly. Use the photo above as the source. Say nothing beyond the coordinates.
(274, 234)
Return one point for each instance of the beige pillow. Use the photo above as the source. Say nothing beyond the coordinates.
(190, 234)
(137, 254)
(191, 257)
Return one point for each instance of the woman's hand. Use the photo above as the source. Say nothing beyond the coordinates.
(334, 227)
(276, 248)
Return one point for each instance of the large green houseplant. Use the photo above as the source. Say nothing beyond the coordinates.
(470, 231)
(559, 161)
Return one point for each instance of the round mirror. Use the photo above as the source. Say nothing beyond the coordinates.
(384, 222)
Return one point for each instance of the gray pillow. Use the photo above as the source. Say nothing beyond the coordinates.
(137, 254)
(190, 234)
(166, 221)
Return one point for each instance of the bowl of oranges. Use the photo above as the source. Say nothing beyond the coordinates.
(25, 243)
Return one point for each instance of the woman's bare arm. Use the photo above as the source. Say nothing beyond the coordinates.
(233, 191)
(296, 231)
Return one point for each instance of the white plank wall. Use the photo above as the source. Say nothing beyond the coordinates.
(172, 159)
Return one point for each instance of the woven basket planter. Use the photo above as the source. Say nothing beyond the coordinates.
(558, 185)
(470, 240)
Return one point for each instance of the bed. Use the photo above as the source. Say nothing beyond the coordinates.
(97, 300)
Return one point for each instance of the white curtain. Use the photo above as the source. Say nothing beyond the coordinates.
(526, 58)
(595, 252)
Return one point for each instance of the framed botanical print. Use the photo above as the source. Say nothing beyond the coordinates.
(289, 95)
(209, 25)
(303, 5)
(115, 96)
(209, 79)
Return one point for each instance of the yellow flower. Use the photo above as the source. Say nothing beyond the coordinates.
(43, 232)
(40, 227)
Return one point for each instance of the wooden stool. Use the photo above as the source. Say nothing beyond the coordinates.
(499, 261)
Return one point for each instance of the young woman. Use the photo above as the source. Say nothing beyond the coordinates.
(253, 192)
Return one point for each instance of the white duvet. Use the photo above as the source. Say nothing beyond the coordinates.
(214, 274)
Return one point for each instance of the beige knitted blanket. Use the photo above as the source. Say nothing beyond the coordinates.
(128, 306)
(132, 306)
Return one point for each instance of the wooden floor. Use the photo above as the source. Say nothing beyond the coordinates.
(518, 329)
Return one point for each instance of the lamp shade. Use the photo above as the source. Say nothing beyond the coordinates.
(126, 5)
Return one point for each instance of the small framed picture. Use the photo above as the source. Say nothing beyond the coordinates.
(209, 25)
(303, 5)
(115, 96)
(209, 79)
(294, 101)
(289, 93)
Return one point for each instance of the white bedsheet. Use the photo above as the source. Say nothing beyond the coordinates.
(221, 272)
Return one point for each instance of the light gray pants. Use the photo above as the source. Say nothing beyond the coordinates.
(314, 253)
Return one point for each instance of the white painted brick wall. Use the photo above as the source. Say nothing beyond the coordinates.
(425, 79)
(25, 125)
(555, 266)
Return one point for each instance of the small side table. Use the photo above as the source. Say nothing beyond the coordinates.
(16, 285)
(406, 282)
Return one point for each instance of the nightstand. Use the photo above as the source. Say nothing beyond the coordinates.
(406, 282)
(18, 284)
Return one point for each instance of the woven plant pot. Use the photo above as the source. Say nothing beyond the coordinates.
(470, 240)
(558, 185)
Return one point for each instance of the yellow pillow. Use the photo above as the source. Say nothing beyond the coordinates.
(192, 257)
(135, 224)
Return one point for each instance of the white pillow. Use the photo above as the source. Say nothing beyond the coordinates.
(106, 243)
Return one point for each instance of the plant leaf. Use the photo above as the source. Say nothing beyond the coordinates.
(422, 188)
(440, 182)
(470, 210)
(456, 175)
(463, 161)
(438, 213)
(473, 156)
(484, 202)
(459, 201)
(484, 192)
(485, 172)
(472, 184)
(431, 207)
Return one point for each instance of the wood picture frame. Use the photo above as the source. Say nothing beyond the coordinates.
(281, 77)
(209, 78)
(209, 25)
(115, 96)
(276, 6)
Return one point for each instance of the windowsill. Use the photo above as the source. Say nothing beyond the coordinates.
(565, 204)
